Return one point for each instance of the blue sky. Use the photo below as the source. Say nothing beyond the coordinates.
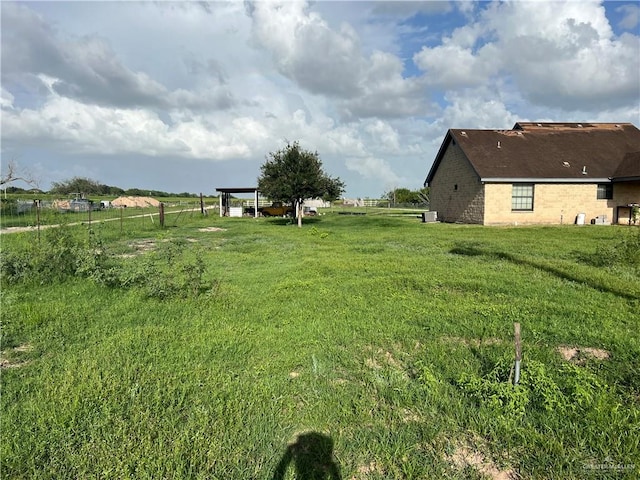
(190, 96)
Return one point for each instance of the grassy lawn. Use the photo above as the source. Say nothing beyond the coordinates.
(358, 347)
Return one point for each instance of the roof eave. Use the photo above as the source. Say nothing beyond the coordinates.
(543, 180)
(626, 179)
(443, 147)
(436, 162)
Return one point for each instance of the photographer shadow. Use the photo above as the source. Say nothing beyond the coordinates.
(312, 456)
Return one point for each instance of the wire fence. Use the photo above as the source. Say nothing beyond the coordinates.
(32, 215)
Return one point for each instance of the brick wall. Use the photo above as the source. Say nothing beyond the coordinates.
(556, 203)
(462, 204)
(624, 194)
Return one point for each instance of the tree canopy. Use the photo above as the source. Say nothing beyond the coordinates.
(87, 186)
(293, 174)
(406, 196)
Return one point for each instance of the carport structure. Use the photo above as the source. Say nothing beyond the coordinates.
(225, 195)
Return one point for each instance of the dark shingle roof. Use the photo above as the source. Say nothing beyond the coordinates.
(629, 168)
(548, 151)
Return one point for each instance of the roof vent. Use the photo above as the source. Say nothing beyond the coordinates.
(539, 124)
(463, 133)
(566, 164)
(618, 125)
(584, 170)
(520, 133)
(579, 125)
(499, 146)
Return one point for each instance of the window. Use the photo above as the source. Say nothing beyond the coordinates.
(522, 197)
(605, 191)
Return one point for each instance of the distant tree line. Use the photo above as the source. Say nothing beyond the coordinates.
(406, 196)
(86, 187)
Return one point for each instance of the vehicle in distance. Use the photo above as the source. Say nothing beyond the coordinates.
(276, 209)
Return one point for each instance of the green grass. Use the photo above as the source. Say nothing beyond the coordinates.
(391, 338)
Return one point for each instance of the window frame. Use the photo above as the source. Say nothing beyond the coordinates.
(608, 191)
(522, 200)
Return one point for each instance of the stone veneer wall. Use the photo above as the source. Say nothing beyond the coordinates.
(464, 204)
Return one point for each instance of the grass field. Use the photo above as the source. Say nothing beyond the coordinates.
(358, 347)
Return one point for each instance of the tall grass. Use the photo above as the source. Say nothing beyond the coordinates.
(388, 338)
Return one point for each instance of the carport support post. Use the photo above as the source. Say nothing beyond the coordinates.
(221, 195)
(255, 205)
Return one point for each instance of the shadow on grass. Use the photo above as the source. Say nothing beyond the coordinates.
(312, 457)
(293, 221)
(475, 250)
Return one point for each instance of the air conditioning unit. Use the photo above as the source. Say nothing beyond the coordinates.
(429, 217)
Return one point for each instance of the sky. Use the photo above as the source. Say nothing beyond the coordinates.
(192, 96)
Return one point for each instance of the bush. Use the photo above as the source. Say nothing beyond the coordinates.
(625, 252)
(171, 270)
(57, 256)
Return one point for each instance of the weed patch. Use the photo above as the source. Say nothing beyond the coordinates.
(159, 268)
(624, 252)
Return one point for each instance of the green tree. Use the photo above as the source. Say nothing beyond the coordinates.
(82, 185)
(292, 174)
(406, 196)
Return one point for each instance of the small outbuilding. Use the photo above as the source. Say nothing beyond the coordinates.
(225, 200)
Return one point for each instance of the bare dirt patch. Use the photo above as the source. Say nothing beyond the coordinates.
(372, 468)
(372, 363)
(472, 342)
(10, 358)
(579, 355)
(409, 416)
(465, 456)
(212, 229)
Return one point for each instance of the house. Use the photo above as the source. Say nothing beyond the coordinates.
(537, 173)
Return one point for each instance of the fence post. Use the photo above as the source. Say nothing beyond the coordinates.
(161, 214)
(38, 218)
(518, 345)
(201, 204)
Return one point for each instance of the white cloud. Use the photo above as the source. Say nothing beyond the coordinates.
(327, 62)
(558, 53)
(631, 17)
(451, 66)
(565, 53)
(109, 131)
(6, 99)
(476, 108)
(375, 168)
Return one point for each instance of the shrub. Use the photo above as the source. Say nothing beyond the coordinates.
(625, 252)
(169, 271)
